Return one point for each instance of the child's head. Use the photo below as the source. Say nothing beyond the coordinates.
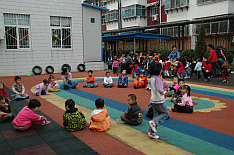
(156, 68)
(99, 103)
(46, 82)
(187, 61)
(141, 74)
(180, 60)
(51, 78)
(199, 60)
(205, 57)
(69, 104)
(175, 79)
(181, 83)
(90, 72)
(34, 105)
(65, 71)
(210, 46)
(107, 74)
(124, 72)
(186, 89)
(2, 99)
(167, 59)
(17, 79)
(1, 85)
(174, 48)
(131, 99)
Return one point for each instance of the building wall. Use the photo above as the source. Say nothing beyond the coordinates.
(134, 22)
(112, 25)
(20, 62)
(131, 2)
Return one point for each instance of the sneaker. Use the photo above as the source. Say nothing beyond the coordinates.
(227, 81)
(153, 126)
(135, 86)
(185, 77)
(119, 121)
(84, 86)
(149, 88)
(47, 122)
(153, 135)
(224, 81)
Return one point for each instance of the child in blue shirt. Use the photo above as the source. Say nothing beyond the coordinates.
(123, 80)
(198, 68)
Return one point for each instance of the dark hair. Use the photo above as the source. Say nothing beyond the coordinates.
(33, 103)
(64, 70)
(99, 103)
(176, 77)
(17, 78)
(155, 68)
(46, 81)
(174, 46)
(187, 88)
(70, 103)
(180, 60)
(221, 47)
(51, 77)
(205, 56)
(90, 71)
(2, 97)
(132, 96)
(199, 60)
(211, 46)
(167, 59)
(180, 80)
(163, 76)
(107, 72)
(2, 84)
(141, 73)
(136, 61)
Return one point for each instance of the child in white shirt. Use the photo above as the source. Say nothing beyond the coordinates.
(108, 82)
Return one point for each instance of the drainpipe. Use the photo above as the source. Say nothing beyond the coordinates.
(160, 21)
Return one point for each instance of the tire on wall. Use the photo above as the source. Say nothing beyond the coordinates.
(81, 67)
(37, 70)
(66, 66)
(49, 69)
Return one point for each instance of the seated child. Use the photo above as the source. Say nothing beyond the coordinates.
(123, 80)
(73, 119)
(53, 85)
(67, 79)
(3, 92)
(27, 116)
(108, 82)
(90, 80)
(177, 96)
(19, 90)
(5, 111)
(141, 81)
(134, 115)
(175, 86)
(100, 121)
(42, 88)
(186, 103)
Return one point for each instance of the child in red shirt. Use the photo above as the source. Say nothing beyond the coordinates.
(167, 67)
(134, 68)
(207, 69)
(90, 80)
(3, 92)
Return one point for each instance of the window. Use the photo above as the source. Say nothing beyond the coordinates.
(112, 16)
(103, 19)
(207, 1)
(140, 10)
(223, 27)
(164, 31)
(153, 11)
(214, 27)
(61, 32)
(170, 31)
(172, 4)
(92, 20)
(17, 30)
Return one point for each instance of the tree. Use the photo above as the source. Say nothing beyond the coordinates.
(201, 46)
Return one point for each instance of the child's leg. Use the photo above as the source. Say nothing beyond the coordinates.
(74, 84)
(56, 88)
(22, 128)
(112, 84)
(43, 92)
(141, 84)
(95, 84)
(105, 84)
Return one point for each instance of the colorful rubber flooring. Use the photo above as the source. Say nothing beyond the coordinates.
(209, 130)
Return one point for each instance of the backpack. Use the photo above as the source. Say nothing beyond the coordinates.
(218, 53)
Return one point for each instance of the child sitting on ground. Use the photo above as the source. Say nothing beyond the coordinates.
(3, 92)
(67, 79)
(73, 119)
(186, 103)
(134, 67)
(141, 81)
(42, 88)
(134, 115)
(27, 116)
(177, 96)
(5, 111)
(19, 90)
(53, 85)
(226, 71)
(175, 86)
(108, 82)
(123, 80)
(90, 80)
(100, 121)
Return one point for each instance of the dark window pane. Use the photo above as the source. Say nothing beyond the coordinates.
(207, 27)
(11, 37)
(214, 27)
(56, 38)
(66, 38)
(23, 38)
(223, 27)
(93, 19)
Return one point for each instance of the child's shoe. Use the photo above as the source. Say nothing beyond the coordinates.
(153, 135)
(119, 121)
(224, 81)
(84, 86)
(135, 86)
(46, 122)
(153, 126)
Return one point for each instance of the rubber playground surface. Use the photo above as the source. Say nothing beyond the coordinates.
(209, 130)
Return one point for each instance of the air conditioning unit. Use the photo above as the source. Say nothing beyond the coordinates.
(1, 33)
(155, 17)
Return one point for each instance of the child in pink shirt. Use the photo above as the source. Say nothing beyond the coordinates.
(186, 103)
(27, 116)
(42, 88)
(53, 85)
(175, 86)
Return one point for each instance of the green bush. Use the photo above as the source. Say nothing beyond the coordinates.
(188, 54)
(164, 53)
(201, 46)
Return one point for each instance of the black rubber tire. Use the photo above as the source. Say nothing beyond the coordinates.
(35, 68)
(49, 69)
(81, 67)
(66, 66)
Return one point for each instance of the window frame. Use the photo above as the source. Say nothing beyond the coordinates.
(155, 8)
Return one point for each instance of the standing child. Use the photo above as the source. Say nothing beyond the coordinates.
(115, 65)
(141, 81)
(42, 88)
(186, 103)
(27, 116)
(134, 67)
(187, 70)
(67, 79)
(134, 115)
(123, 80)
(192, 66)
(226, 71)
(198, 68)
(174, 68)
(207, 70)
(5, 111)
(53, 85)
(109, 63)
(108, 82)
(90, 80)
(180, 69)
(3, 92)
(19, 90)
(147, 67)
(167, 67)
(157, 100)
(73, 119)
(100, 121)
